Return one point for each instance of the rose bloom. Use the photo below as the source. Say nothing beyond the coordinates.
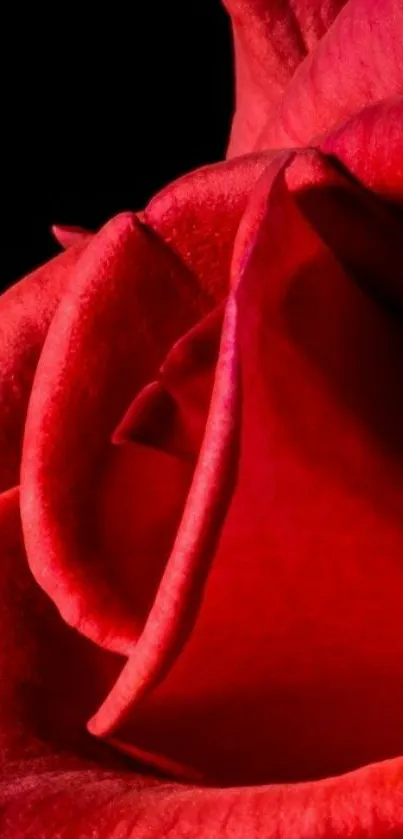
(201, 509)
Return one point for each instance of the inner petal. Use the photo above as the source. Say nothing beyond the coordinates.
(293, 668)
(149, 471)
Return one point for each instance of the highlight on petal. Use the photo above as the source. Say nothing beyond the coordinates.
(198, 216)
(126, 303)
(178, 598)
(370, 145)
(68, 235)
(357, 63)
(149, 475)
(83, 801)
(271, 39)
(292, 670)
(26, 311)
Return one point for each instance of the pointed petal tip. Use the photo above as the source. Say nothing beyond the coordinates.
(68, 235)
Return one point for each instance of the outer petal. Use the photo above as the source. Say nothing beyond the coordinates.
(293, 668)
(178, 598)
(126, 303)
(46, 791)
(358, 62)
(26, 311)
(44, 800)
(271, 39)
(50, 676)
(198, 216)
(56, 782)
(378, 129)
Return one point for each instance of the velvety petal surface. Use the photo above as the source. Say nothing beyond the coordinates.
(50, 675)
(357, 63)
(126, 303)
(56, 781)
(370, 144)
(89, 803)
(293, 667)
(198, 216)
(26, 311)
(271, 39)
(225, 510)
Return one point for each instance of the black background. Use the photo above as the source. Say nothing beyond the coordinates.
(100, 111)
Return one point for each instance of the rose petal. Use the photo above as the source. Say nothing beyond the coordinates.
(198, 216)
(45, 799)
(168, 417)
(271, 39)
(178, 598)
(51, 677)
(126, 303)
(171, 413)
(293, 667)
(54, 782)
(364, 233)
(26, 310)
(68, 235)
(370, 145)
(357, 63)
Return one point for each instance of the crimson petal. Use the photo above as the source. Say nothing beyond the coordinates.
(271, 39)
(68, 235)
(105, 343)
(358, 63)
(272, 684)
(198, 216)
(26, 311)
(45, 799)
(370, 144)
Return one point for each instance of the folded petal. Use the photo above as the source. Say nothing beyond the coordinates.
(126, 303)
(364, 233)
(293, 668)
(55, 781)
(51, 677)
(357, 63)
(370, 144)
(170, 414)
(198, 216)
(26, 310)
(179, 595)
(287, 570)
(271, 39)
(68, 235)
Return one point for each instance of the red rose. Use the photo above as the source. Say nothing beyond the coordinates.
(202, 474)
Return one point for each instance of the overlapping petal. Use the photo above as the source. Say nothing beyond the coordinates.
(271, 39)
